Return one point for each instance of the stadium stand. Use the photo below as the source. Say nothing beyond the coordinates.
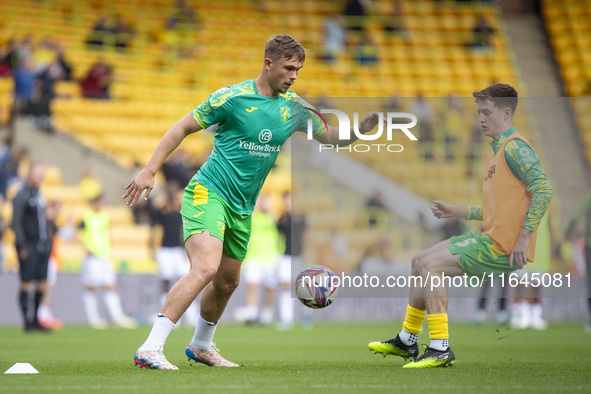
(163, 73)
(568, 28)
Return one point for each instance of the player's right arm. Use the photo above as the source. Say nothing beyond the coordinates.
(443, 210)
(144, 180)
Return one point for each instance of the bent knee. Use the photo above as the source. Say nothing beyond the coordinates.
(423, 265)
(205, 273)
(417, 264)
(227, 285)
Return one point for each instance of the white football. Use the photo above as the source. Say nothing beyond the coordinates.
(316, 287)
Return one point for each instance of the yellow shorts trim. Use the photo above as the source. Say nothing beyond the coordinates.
(200, 194)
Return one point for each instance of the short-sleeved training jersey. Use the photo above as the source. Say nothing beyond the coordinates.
(251, 131)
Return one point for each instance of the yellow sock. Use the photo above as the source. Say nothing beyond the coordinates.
(413, 321)
(438, 328)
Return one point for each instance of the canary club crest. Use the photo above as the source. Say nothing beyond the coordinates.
(221, 227)
(285, 113)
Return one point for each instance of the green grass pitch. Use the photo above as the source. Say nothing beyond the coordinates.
(331, 357)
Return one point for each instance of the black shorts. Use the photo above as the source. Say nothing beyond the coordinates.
(34, 267)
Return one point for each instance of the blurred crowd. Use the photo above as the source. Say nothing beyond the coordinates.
(347, 33)
(35, 67)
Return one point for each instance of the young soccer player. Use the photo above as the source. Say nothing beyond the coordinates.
(515, 194)
(97, 269)
(255, 119)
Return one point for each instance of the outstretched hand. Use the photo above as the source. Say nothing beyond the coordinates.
(369, 121)
(142, 181)
(442, 210)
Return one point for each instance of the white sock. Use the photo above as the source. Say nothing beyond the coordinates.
(307, 317)
(266, 316)
(251, 312)
(439, 344)
(286, 307)
(113, 303)
(44, 312)
(160, 331)
(90, 305)
(204, 333)
(536, 311)
(408, 338)
(524, 310)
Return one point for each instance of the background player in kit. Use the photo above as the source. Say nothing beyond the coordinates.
(171, 257)
(255, 119)
(516, 194)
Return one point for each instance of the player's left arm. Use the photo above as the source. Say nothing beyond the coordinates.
(526, 167)
(331, 135)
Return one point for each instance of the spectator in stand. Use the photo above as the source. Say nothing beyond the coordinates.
(366, 52)
(355, 15)
(98, 80)
(426, 117)
(24, 85)
(46, 93)
(123, 33)
(8, 58)
(335, 37)
(180, 30)
(99, 31)
(393, 24)
(4, 161)
(24, 48)
(43, 54)
(183, 16)
(66, 66)
(482, 34)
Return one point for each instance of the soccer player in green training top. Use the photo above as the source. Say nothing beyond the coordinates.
(254, 119)
(515, 195)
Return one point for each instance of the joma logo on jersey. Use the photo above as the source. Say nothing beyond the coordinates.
(491, 171)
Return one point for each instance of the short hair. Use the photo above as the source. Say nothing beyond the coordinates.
(501, 94)
(283, 45)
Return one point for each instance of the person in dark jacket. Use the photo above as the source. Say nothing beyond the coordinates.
(32, 244)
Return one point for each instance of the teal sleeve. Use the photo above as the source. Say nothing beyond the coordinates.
(215, 109)
(474, 212)
(526, 167)
(302, 113)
